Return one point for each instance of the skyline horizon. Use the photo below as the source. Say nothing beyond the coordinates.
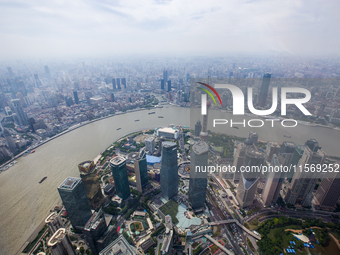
(60, 29)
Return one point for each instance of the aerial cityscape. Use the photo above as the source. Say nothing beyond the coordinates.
(130, 128)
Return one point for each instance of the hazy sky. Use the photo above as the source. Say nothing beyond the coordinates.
(57, 28)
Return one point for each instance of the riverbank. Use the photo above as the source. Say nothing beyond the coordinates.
(74, 127)
(41, 225)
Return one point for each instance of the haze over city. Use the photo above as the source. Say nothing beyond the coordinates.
(67, 29)
(169, 127)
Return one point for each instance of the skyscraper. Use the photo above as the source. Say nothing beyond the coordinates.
(328, 192)
(303, 183)
(168, 89)
(54, 222)
(73, 195)
(47, 72)
(204, 132)
(162, 84)
(198, 128)
(264, 90)
(22, 117)
(9, 69)
(76, 99)
(124, 82)
(119, 246)
(198, 179)
(288, 147)
(118, 83)
(165, 75)
(169, 170)
(248, 182)
(119, 173)
(272, 148)
(150, 144)
(97, 233)
(37, 81)
(114, 86)
(139, 161)
(60, 243)
(90, 179)
(273, 183)
(253, 137)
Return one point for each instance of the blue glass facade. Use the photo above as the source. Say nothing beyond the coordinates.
(73, 195)
(169, 170)
(198, 179)
(119, 173)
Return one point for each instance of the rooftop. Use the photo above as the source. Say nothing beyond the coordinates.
(57, 237)
(168, 130)
(51, 217)
(118, 246)
(150, 139)
(168, 144)
(200, 147)
(117, 160)
(69, 183)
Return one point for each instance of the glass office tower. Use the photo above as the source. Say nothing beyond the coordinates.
(198, 178)
(169, 170)
(119, 173)
(73, 195)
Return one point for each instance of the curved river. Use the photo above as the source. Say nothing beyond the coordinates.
(25, 203)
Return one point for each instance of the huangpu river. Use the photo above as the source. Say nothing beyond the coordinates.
(25, 203)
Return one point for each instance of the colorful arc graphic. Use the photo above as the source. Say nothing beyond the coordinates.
(208, 86)
(209, 93)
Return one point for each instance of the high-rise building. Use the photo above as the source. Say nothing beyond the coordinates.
(328, 193)
(73, 195)
(253, 137)
(54, 222)
(112, 97)
(114, 85)
(168, 89)
(9, 69)
(288, 147)
(162, 84)
(248, 181)
(204, 132)
(168, 236)
(303, 183)
(22, 116)
(118, 83)
(198, 128)
(141, 170)
(198, 179)
(37, 81)
(119, 246)
(124, 82)
(60, 243)
(150, 144)
(273, 184)
(90, 179)
(169, 170)
(119, 173)
(264, 90)
(98, 234)
(165, 75)
(69, 101)
(272, 148)
(47, 72)
(76, 99)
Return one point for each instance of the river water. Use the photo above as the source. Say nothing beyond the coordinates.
(25, 203)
